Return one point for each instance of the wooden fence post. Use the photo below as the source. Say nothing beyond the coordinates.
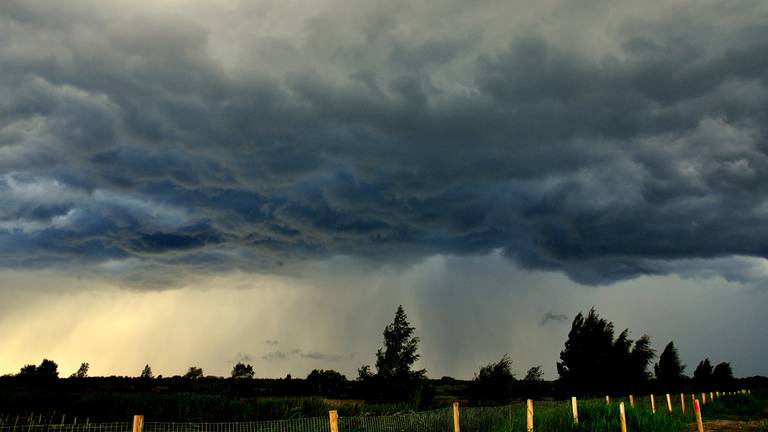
(669, 403)
(575, 409)
(631, 401)
(333, 417)
(455, 417)
(682, 403)
(703, 398)
(622, 417)
(697, 408)
(653, 405)
(138, 423)
(530, 415)
(607, 399)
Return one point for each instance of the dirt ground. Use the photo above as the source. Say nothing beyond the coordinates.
(733, 425)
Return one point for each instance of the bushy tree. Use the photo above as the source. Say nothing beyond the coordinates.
(593, 360)
(669, 369)
(47, 369)
(28, 370)
(637, 374)
(494, 381)
(394, 378)
(146, 373)
(242, 371)
(722, 375)
(702, 375)
(325, 382)
(194, 373)
(534, 374)
(82, 371)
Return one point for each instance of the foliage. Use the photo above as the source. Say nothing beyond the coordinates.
(534, 374)
(394, 378)
(82, 371)
(494, 381)
(593, 359)
(736, 406)
(325, 382)
(702, 375)
(722, 375)
(47, 370)
(194, 373)
(146, 373)
(669, 369)
(242, 371)
(395, 360)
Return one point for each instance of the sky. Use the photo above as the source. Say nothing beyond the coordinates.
(189, 182)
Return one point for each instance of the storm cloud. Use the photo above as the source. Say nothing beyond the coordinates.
(152, 143)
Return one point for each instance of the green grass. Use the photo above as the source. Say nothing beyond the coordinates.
(735, 407)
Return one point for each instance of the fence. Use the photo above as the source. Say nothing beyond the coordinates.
(531, 416)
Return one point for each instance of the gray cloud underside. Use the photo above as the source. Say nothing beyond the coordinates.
(147, 145)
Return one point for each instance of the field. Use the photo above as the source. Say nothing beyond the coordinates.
(728, 412)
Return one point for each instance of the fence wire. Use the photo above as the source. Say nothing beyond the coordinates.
(548, 415)
(440, 420)
(72, 427)
(312, 424)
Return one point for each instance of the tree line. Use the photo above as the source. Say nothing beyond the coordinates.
(594, 361)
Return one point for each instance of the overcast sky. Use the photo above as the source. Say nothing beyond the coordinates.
(192, 182)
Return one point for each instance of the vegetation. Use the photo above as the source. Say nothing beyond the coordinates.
(669, 369)
(394, 378)
(593, 362)
(494, 382)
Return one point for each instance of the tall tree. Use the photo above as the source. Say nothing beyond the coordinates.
(394, 377)
(639, 361)
(722, 375)
(587, 354)
(400, 350)
(146, 373)
(702, 375)
(669, 369)
(592, 360)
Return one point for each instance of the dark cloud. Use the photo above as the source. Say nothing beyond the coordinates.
(551, 317)
(133, 141)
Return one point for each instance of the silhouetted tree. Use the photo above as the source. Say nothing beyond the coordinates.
(82, 372)
(592, 360)
(637, 374)
(534, 374)
(48, 369)
(493, 382)
(364, 373)
(394, 377)
(702, 376)
(669, 369)
(146, 373)
(27, 370)
(325, 382)
(242, 371)
(722, 375)
(194, 373)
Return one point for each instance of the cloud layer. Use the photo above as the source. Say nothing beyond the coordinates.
(162, 140)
